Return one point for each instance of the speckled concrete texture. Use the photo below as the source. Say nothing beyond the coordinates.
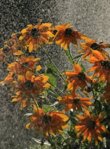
(91, 17)
(14, 15)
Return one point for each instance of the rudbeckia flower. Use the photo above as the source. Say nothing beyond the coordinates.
(13, 46)
(30, 84)
(36, 35)
(101, 66)
(8, 79)
(2, 56)
(18, 98)
(23, 64)
(74, 102)
(77, 78)
(65, 34)
(20, 67)
(92, 45)
(89, 127)
(50, 123)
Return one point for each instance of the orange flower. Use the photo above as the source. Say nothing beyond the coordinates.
(90, 127)
(36, 35)
(30, 84)
(65, 34)
(18, 98)
(23, 64)
(74, 102)
(50, 123)
(90, 46)
(2, 55)
(8, 79)
(13, 46)
(77, 78)
(101, 66)
(20, 67)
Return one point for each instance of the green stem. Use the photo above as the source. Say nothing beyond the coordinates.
(35, 102)
(69, 55)
(54, 92)
(78, 56)
(61, 76)
(61, 92)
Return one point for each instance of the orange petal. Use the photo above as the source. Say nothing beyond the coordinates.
(77, 68)
(31, 47)
(98, 55)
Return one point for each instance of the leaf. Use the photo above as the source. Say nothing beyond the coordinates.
(83, 68)
(51, 69)
(46, 108)
(52, 79)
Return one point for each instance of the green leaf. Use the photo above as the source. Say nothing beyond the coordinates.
(51, 69)
(83, 68)
(52, 79)
(46, 107)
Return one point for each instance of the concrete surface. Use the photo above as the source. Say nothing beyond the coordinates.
(91, 17)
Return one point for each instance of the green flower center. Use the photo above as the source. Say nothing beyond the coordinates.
(68, 32)
(35, 32)
(95, 46)
(105, 64)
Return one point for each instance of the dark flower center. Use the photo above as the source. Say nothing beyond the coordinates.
(28, 85)
(76, 101)
(6, 49)
(68, 32)
(91, 124)
(54, 31)
(46, 119)
(26, 64)
(95, 46)
(89, 88)
(81, 76)
(35, 32)
(105, 64)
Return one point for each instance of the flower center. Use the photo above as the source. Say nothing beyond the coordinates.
(76, 101)
(6, 49)
(105, 64)
(28, 85)
(81, 76)
(89, 88)
(54, 31)
(46, 119)
(68, 32)
(35, 32)
(95, 46)
(91, 124)
(26, 64)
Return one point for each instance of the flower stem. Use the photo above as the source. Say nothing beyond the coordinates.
(54, 65)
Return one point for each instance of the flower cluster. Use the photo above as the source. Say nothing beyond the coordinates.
(77, 109)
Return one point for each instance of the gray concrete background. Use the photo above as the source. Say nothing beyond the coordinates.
(91, 17)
